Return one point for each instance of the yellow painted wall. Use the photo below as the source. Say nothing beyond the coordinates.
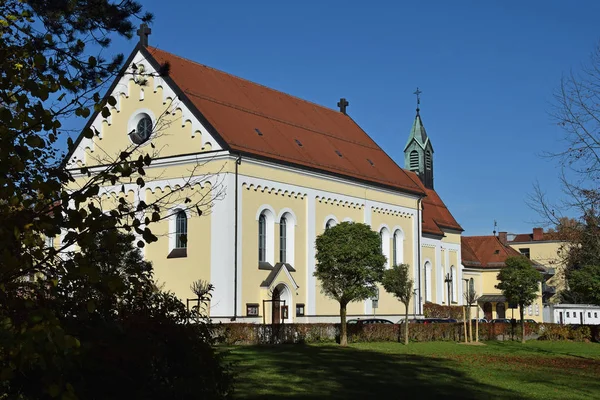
(252, 201)
(550, 255)
(489, 281)
(172, 135)
(177, 274)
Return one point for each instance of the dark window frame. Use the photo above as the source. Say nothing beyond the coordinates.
(283, 239)
(181, 230)
(262, 238)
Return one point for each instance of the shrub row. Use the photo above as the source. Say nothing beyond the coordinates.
(432, 310)
(240, 333)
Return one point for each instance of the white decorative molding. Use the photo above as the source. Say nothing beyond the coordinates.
(122, 90)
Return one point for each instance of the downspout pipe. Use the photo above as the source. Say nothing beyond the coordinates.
(238, 162)
(419, 228)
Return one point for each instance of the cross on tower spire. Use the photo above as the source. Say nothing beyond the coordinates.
(342, 104)
(143, 33)
(418, 93)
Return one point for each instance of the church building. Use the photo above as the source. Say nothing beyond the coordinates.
(269, 173)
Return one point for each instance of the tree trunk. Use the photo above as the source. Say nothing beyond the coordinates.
(521, 311)
(477, 325)
(343, 334)
(470, 323)
(406, 323)
(465, 323)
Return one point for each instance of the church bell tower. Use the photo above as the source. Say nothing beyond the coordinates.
(418, 152)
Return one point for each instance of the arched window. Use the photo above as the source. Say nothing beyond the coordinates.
(384, 233)
(428, 160)
(283, 239)
(471, 285)
(427, 275)
(262, 238)
(181, 230)
(454, 284)
(330, 223)
(414, 160)
(398, 247)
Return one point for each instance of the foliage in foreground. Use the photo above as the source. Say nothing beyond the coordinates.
(124, 338)
(91, 324)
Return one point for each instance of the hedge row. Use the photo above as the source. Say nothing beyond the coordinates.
(315, 333)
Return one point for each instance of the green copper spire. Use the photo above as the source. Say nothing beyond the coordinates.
(418, 152)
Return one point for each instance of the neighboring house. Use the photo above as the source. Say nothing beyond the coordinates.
(275, 171)
(482, 258)
(544, 248)
(583, 314)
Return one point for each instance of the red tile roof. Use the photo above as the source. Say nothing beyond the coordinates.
(294, 131)
(528, 237)
(486, 252)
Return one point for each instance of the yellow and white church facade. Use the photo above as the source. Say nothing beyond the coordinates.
(270, 173)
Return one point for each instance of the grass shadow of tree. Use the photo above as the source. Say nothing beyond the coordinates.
(333, 372)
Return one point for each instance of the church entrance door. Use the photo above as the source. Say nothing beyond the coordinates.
(487, 311)
(501, 310)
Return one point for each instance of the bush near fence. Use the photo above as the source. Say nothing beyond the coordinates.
(240, 333)
(432, 310)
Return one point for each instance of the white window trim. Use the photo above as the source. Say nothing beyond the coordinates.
(135, 117)
(269, 213)
(454, 276)
(328, 218)
(173, 223)
(399, 249)
(427, 274)
(291, 222)
(384, 231)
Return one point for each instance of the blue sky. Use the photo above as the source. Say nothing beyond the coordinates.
(487, 71)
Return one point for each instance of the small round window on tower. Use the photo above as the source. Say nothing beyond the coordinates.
(142, 131)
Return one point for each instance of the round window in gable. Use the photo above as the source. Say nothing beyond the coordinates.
(142, 131)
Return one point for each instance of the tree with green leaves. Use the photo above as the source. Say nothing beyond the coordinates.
(397, 282)
(584, 282)
(520, 284)
(349, 265)
(53, 70)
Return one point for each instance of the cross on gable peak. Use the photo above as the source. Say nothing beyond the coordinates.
(342, 104)
(143, 33)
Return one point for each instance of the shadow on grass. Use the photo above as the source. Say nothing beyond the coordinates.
(297, 371)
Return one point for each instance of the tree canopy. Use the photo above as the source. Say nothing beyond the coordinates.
(519, 282)
(397, 281)
(349, 264)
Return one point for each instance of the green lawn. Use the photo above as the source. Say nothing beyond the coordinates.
(499, 370)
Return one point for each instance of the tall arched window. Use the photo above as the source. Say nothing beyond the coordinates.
(414, 160)
(454, 285)
(262, 238)
(384, 233)
(427, 275)
(472, 285)
(283, 239)
(181, 230)
(398, 247)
